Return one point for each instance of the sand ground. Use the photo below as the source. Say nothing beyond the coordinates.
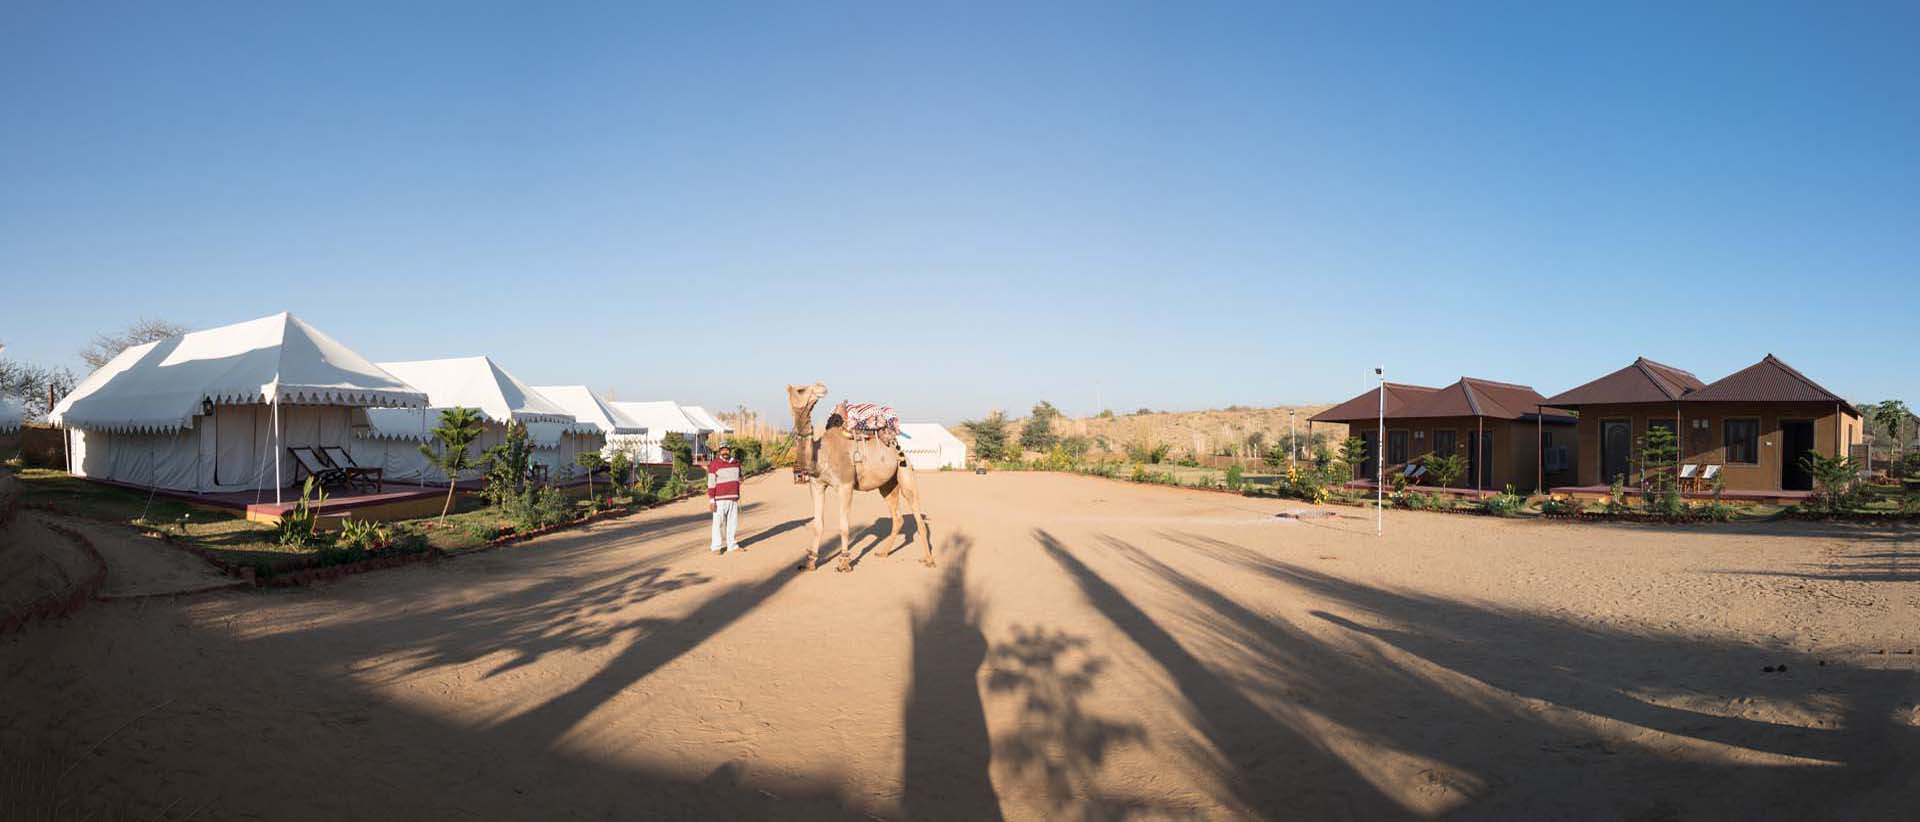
(1086, 649)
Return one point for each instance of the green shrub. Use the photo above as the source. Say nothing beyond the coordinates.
(1504, 504)
(1836, 484)
(296, 529)
(363, 535)
(1564, 506)
(1236, 478)
(482, 531)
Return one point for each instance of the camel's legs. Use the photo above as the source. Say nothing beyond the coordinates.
(818, 525)
(895, 538)
(910, 489)
(846, 540)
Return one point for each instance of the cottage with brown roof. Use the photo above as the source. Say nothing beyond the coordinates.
(1751, 427)
(1507, 438)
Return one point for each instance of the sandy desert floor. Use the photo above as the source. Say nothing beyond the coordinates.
(1086, 649)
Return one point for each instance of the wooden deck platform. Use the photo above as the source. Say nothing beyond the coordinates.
(1776, 497)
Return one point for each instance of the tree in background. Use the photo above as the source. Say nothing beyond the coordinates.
(1447, 469)
(106, 346)
(1353, 452)
(989, 436)
(1659, 488)
(1037, 434)
(682, 450)
(592, 461)
(457, 430)
(36, 388)
(1076, 446)
(1892, 415)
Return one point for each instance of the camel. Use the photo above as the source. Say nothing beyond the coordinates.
(834, 458)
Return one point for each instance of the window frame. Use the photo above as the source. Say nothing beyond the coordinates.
(1406, 446)
(1453, 439)
(1752, 441)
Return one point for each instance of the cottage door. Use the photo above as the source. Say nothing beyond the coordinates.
(1796, 443)
(1616, 450)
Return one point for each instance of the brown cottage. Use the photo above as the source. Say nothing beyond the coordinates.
(1750, 428)
(1495, 425)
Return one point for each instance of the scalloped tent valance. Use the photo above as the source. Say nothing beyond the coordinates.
(161, 387)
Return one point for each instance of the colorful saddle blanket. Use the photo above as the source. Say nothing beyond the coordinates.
(872, 419)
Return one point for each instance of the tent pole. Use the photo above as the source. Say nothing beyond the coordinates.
(276, 445)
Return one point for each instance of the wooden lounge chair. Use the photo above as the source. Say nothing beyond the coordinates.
(324, 474)
(1689, 476)
(1414, 472)
(1707, 476)
(340, 458)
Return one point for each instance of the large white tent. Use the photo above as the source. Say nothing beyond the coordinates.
(621, 432)
(390, 438)
(11, 415)
(216, 410)
(661, 418)
(931, 447)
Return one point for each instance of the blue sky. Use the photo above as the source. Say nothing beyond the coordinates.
(959, 207)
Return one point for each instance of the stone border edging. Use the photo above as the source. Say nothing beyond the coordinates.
(56, 605)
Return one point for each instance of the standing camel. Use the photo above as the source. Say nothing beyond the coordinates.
(835, 459)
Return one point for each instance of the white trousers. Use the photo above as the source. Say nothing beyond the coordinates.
(726, 514)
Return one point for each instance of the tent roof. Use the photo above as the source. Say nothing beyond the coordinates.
(480, 383)
(705, 420)
(1367, 405)
(588, 408)
(11, 415)
(160, 386)
(927, 434)
(1643, 380)
(1769, 380)
(659, 417)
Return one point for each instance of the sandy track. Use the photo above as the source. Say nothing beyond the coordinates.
(1087, 649)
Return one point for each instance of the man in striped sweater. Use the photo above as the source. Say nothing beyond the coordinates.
(723, 499)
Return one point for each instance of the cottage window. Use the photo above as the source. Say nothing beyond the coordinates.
(1445, 443)
(1396, 447)
(1742, 441)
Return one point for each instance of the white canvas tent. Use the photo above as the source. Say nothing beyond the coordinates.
(931, 447)
(661, 418)
(216, 410)
(391, 437)
(621, 432)
(705, 420)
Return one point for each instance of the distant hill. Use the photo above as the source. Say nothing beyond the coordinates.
(1200, 433)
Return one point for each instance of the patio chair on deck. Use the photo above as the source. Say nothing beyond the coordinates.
(1689, 476)
(340, 458)
(1707, 476)
(324, 474)
(1414, 472)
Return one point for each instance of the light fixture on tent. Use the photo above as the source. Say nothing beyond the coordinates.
(206, 406)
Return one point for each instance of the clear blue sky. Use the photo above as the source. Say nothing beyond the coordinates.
(954, 208)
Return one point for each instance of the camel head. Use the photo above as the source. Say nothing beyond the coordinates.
(801, 399)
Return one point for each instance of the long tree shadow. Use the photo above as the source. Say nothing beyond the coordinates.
(1578, 713)
(1265, 764)
(1058, 744)
(947, 746)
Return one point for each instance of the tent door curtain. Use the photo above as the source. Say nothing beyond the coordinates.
(236, 450)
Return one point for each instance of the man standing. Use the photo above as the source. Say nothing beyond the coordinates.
(723, 499)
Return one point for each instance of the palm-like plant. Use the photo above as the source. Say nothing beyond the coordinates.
(592, 461)
(1892, 415)
(457, 430)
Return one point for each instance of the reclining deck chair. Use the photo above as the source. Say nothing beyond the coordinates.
(338, 457)
(324, 474)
